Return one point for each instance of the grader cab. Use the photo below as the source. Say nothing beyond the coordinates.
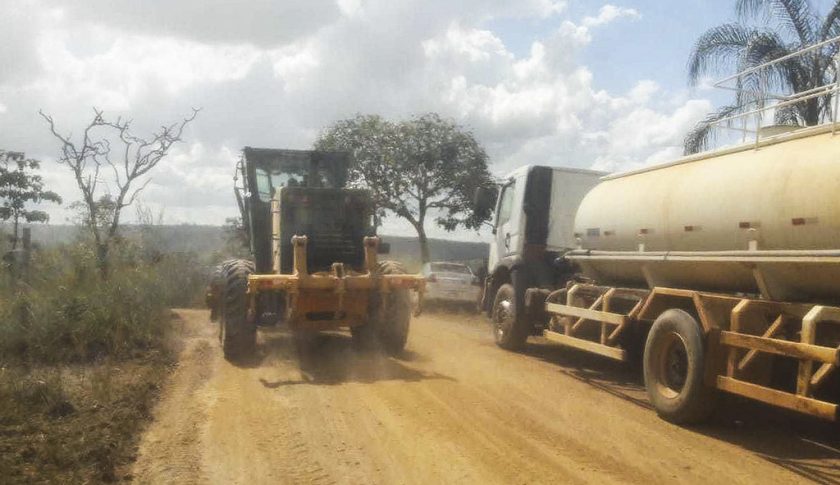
(315, 256)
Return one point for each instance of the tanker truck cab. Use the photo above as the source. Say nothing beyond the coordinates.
(533, 228)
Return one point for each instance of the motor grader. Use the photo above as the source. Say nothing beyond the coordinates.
(314, 249)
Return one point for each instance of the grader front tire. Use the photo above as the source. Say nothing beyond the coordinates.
(215, 289)
(238, 333)
(393, 329)
(388, 329)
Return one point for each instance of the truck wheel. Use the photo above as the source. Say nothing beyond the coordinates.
(509, 329)
(674, 363)
(238, 333)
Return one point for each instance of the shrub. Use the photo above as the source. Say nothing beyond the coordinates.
(65, 312)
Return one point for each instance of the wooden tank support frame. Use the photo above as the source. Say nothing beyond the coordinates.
(572, 317)
(741, 335)
(344, 291)
(806, 351)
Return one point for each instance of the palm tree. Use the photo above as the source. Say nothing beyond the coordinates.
(768, 30)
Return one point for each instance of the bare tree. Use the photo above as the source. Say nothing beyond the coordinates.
(93, 160)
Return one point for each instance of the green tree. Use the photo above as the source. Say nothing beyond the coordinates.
(767, 30)
(20, 187)
(419, 169)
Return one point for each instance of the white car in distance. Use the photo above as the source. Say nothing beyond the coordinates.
(451, 282)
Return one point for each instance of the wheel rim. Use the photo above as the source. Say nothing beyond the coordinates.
(672, 366)
(503, 315)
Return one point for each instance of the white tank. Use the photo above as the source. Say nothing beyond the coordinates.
(762, 219)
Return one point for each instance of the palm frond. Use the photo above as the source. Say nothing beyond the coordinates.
(717, 48)
(831, 25)
(703, 135)
(796, 16)
(763, 47)
(788, 115)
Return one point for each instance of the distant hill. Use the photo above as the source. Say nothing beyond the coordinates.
(210, 239)
(174, 238)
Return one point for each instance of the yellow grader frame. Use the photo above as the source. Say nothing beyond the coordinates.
(330, 299)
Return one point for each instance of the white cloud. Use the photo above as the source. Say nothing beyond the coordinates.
(547, 8)
(132, 67)
(294, 64)
(273, 75)
(609, 13)
(265, 23)
(350, 8)
(643, 90)
(644, 136)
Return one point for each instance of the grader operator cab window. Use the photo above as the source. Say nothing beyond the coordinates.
(293, 169)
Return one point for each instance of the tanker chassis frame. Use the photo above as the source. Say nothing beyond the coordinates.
(738, 337)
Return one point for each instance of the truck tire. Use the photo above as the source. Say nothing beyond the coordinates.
(510, 330)
(238, 332)
(674, 364)
(391, 331)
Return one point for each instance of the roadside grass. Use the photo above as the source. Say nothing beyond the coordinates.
(82, 359)
(78, 424)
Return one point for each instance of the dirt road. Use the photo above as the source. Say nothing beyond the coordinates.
(453, 409)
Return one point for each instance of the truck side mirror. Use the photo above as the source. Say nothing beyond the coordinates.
(383, 248)
(484, 199)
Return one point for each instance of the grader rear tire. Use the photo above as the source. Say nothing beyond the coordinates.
(238, 333)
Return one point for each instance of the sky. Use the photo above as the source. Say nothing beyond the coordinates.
(574, 83)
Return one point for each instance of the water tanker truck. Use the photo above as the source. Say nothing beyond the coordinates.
(720, 271)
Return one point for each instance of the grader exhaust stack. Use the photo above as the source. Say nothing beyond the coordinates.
(314, 248)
